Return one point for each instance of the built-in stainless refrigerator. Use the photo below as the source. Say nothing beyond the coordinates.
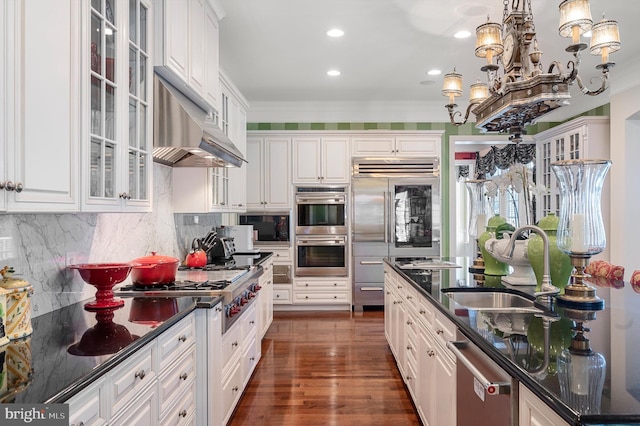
(395, 212)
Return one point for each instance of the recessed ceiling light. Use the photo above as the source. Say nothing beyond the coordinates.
(462, 34)
(333, 73)
(335, 32)
(434, 72)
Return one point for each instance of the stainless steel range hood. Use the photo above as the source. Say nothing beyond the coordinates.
(184, 135)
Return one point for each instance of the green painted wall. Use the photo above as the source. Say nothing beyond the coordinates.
(449, 130)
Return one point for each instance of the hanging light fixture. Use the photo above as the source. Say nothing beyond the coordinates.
(522, 91)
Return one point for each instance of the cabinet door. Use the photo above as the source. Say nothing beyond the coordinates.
(427, 392)
(176, 38)
(197, 42)
(417, 146)
(141, 412)
(445, 385)
(255, 174)
(43, 97)
(533, 412)
(335, 160)
(377, 146)
(278, 173)
(212, 37)
(238, 175)
(306, 160)
(5, 33)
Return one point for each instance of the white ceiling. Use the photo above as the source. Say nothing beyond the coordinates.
(277, 50)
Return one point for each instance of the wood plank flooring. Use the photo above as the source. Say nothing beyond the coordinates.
(326, 368)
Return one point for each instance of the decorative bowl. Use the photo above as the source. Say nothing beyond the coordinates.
(103, 276)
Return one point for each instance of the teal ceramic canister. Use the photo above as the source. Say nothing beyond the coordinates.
(560, 262)
(491, 265)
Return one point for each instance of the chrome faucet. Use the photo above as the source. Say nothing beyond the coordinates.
(547, 289)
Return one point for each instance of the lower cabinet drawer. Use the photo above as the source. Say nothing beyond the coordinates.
(231, 341)
(183, 411)
(250, 357)
(231, 391)
(337, 297)
(143, 410)
(281, 294)
(89, 407)
(133, 375)
(177, 377)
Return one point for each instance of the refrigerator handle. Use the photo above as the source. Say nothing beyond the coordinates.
(385, 217)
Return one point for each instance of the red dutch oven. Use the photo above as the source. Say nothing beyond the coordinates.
(154, 270)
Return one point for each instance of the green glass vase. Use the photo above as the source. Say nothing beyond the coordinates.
(491, 265)
(560, 262)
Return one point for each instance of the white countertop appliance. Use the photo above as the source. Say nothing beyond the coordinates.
(242, 237)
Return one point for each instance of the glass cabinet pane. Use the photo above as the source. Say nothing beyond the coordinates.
(109, 171)
(97, 183)
(133, 20)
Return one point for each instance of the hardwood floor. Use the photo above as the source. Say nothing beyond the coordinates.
(326, 368)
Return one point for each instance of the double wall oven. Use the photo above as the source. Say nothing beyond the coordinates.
(321, 247)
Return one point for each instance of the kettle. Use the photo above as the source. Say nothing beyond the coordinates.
(197, 257)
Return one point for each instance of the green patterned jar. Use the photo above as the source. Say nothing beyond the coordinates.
(491, 265)
(560, 262)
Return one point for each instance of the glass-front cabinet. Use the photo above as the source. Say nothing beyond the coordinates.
(581, 138)
(117, 163)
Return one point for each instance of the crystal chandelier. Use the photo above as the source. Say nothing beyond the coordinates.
(524, 90)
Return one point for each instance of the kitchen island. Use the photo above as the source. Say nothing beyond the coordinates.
(515, 342)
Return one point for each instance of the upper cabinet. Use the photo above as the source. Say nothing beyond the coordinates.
(581, 138)
(117, 109)
(233, 114)
(321, 159)
(40, 125)
(268, 173)
(424, 144)
(186, 49)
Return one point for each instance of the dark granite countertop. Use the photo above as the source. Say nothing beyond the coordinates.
(514, 341)
(71, 347)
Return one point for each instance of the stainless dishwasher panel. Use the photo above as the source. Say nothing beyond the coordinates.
(486, 395)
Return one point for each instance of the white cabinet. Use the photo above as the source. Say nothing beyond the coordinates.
(266, 298)
(581, 138)
(90, 406)
(325, 291)
(155, 385)
(423, 144)
(320, 159)
(116, 107)
(533, 412)
(40, 125)
(186, 49)
(268, 173)
(417, 334)
(234, 123)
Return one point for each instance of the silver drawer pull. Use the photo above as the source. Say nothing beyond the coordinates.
(140, 374)
(491, 387)
(182, 338)
(371, 262)
(183, 413)
(183, 376)
(372, 289)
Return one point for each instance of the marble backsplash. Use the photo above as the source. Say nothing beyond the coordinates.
(41, 246)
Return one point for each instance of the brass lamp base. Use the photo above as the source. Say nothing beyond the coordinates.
(578, 294)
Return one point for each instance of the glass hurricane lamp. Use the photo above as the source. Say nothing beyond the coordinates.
(581, 231)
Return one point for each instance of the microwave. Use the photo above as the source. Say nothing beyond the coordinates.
(272, 228)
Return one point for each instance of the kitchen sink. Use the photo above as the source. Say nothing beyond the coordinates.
(494, 300)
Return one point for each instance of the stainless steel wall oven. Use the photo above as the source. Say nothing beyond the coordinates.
(321, 255)
(321, 211)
